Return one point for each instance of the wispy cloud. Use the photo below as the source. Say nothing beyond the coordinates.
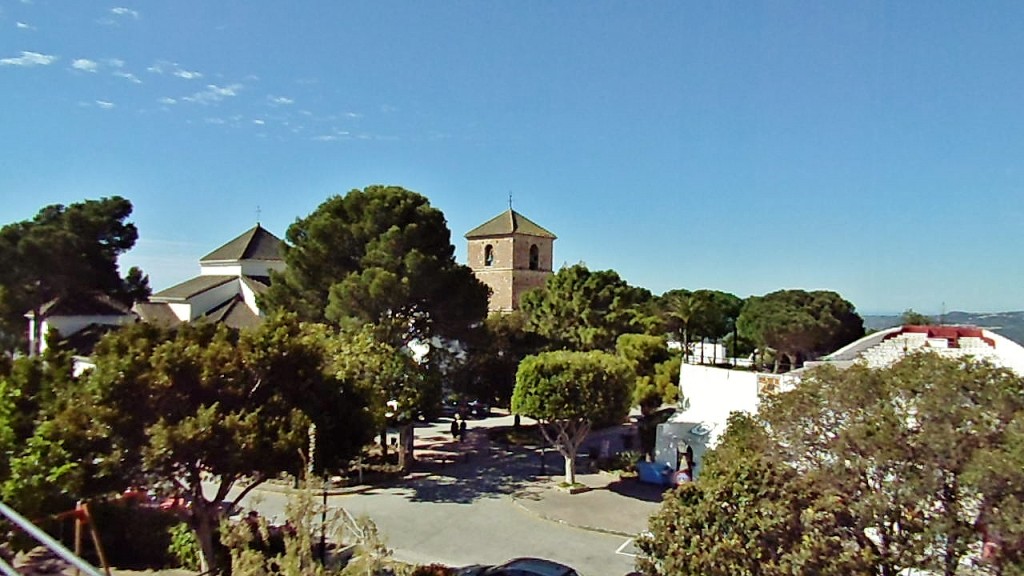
(119, 71)
(187, 74)
(258, 122)
(24, 26)
(104, 104)
(214, 93)
(29, 59)
(167, 100)
(122, 11)
(127, 76)
(280, 100)
(85, 65)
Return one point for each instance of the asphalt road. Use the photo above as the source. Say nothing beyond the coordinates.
(466, 515)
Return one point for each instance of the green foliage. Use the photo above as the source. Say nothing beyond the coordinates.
(651, 361)
(249, 542)
(799, 324)
(209, 402)
(65, 251)
(380, 256)
(494, 356)
(913, 318)
(859, 471)
(380, 370)
(568, 393)
(38, 473)
(590, 386)
(184, 547)
(583, 310)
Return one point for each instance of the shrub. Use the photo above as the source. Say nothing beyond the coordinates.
(133, 536)
(184, 547)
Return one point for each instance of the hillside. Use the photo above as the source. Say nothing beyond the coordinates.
(1008, 324)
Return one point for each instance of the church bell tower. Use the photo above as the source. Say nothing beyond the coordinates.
(510, 254)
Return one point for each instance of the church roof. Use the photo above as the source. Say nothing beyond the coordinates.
(254, 244)
(88, 304)
(158, 313)
(189, 288)
(509, 222)
(233, 313)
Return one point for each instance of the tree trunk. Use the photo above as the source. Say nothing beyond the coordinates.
(406, 436)
(384, 443)
(570, 469)
(205, 534)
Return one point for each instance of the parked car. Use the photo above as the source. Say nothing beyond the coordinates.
(520, 567)
(478, 409)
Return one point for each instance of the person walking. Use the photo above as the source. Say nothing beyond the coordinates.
(462, 430)
(455, 428)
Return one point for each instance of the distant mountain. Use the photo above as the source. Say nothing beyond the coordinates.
(1008, 324)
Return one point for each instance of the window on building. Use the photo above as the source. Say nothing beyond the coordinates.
(534, 257)
(488, 255)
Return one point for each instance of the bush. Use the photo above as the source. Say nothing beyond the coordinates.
(621, 462)
(133, 536)
(184, 547)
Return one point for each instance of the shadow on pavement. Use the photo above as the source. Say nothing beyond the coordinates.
(472, 475)
(634, 488)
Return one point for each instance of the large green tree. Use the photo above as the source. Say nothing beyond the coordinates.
(698, 315)
(650, 358)
(399, 388)
(798, 324)
(209, 405)
(583, 310)
(65, 251)
(383, 256)
(913, 467)
(568, 392)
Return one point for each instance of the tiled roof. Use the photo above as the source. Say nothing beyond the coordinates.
(88, 304)
(254, 244)
(157, 313)
(233, 313)
(509, 222)
(189, 288)
(257, 284)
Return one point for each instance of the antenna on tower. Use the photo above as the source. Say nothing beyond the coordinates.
(942, 317)
(510, 200)
(258, 212)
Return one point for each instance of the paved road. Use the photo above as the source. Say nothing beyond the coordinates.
(464, 514)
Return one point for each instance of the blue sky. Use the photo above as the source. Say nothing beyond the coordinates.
(872, 148)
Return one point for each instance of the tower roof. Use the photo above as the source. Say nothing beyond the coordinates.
(506, 223)
(253, 244)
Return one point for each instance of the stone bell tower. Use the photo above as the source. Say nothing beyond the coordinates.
(510, 254)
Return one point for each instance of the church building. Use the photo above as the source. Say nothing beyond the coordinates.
(511, 255)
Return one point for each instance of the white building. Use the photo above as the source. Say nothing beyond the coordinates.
(711, 394)
(230, 278)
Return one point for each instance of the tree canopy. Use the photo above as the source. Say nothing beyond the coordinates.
(583, 310)
(380, 256)
(202, 405)
(569, 392)
(65, 251)
(798, 324)
(914, 467)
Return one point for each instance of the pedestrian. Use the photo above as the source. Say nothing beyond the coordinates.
(455, 428)
(462, 430)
